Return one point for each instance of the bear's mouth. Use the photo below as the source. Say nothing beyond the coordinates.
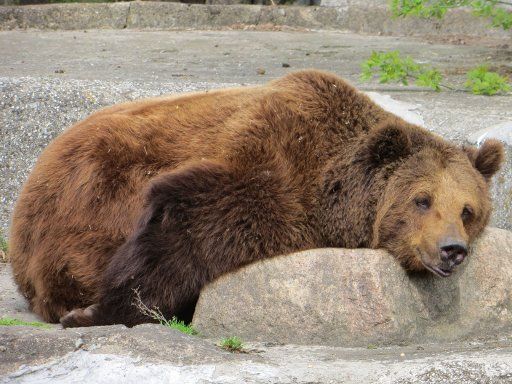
(438, 271)
(435, 269)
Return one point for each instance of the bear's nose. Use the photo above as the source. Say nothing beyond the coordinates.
(454, 252)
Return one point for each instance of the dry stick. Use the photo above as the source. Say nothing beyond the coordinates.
(155, 313)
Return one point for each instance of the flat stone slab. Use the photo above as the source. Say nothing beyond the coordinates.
(31, 346)
(155, 354)
(345, 297)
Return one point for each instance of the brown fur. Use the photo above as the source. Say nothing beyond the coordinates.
(165, 195)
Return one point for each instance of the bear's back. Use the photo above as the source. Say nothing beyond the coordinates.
(86, 191)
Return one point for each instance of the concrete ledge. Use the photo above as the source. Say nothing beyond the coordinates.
(65, 16)
(357, 17)
(347, 297)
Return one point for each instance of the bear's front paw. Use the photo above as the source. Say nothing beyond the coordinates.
(80, 317)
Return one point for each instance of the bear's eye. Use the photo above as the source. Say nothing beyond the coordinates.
(467, 213)
(423, 202)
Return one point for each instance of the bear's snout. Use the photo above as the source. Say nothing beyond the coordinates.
(452, 253)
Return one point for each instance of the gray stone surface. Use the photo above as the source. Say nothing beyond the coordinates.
(502, 132)
(502, 186)
(360, 297)
(36, 103)
(12, 304)
(30, 345)
(232, 56)
(179, 16)
(65, 16)
(355, 16)
(156, 354)
(278, 364)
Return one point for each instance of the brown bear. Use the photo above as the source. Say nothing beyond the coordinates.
(163, 196)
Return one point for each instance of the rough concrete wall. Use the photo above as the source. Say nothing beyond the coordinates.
(347, 3)
(352, 16)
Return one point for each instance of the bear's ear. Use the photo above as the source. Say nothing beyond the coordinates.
(387, 144)
(488, 158)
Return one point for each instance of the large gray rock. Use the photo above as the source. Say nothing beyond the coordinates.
(344, 297)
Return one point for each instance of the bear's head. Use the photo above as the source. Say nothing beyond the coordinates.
(436, 199)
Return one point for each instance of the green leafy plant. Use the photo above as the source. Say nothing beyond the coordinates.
(482, 82)
(391, 67)
(232, 344)
(8, 321)
(423, 8)
(157, 315)
(492, 9)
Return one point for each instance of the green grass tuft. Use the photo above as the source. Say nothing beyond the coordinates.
(232, 344)
(483, 82)
(179, 325)
(8, 321)
(157, 315)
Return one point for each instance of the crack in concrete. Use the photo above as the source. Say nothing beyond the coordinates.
(127, 16)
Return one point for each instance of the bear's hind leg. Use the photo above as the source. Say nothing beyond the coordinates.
(199, 222)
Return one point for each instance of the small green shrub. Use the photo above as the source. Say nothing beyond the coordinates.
(8, 321)
(500, 17)
(232, 344)
(391, 67)
(482, 82)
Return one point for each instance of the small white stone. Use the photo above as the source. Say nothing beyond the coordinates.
(79, 343)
